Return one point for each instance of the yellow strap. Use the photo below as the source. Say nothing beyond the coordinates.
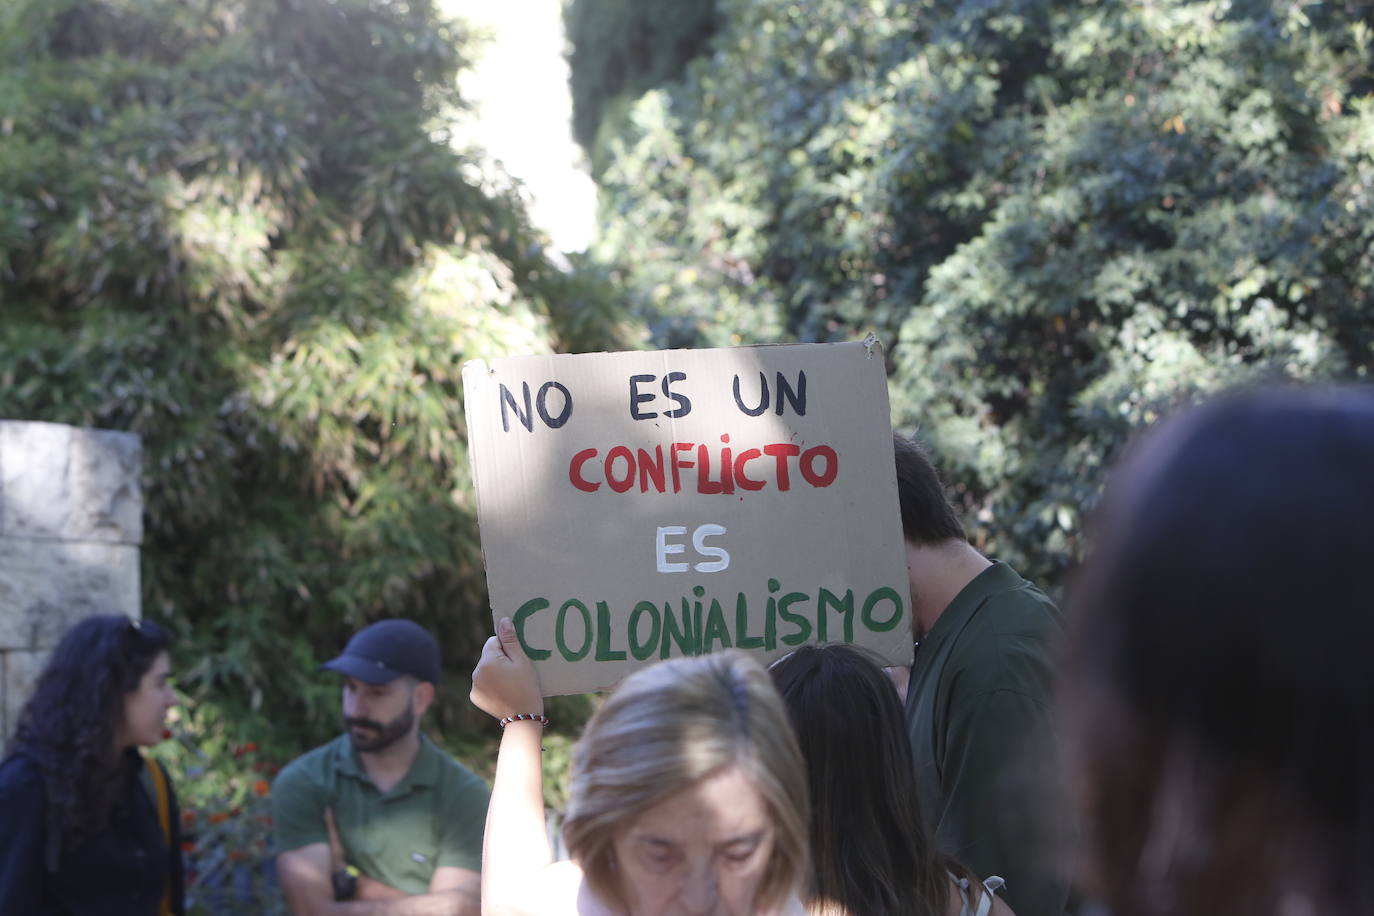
(159, 780)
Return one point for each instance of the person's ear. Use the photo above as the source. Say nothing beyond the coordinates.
(424, 696)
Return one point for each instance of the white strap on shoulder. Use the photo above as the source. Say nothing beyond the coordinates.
(962, 884)
(990, 888)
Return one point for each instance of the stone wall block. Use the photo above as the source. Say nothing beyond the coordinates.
(74, 484)
(18, 673)
(46, 586)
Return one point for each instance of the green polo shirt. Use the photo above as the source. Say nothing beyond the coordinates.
(433, 817)
(980, 712)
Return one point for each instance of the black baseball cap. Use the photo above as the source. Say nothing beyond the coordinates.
(381, 652)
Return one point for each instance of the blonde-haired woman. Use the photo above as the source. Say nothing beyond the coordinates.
(688, 795)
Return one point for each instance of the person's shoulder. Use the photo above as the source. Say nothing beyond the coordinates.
(455, 774)
(20, 776)
(312, 767)
(1013, 614)
(559, 890)
(1000, 908)
(23, 794)
(968, 896)
(1011, 642)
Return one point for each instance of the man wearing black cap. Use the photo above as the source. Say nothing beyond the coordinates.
(379, 820)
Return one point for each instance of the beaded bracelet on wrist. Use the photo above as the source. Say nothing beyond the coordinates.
(525, 717)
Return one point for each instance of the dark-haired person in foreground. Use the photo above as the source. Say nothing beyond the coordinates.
(87, 824)
(979, 705)
(871, 853)
(380, 821)
(1219, 695)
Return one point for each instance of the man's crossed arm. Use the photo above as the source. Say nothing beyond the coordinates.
(305, 876)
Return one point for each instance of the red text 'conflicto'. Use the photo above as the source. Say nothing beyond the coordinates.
(716, 469)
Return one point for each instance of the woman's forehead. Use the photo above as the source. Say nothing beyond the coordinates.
(723, 805)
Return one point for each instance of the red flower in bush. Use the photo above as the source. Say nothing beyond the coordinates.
(262, 787)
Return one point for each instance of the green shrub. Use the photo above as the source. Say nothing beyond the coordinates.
(226, 817)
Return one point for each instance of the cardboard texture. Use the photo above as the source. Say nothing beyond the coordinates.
(638, 506)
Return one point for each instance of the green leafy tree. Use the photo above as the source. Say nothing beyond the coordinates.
(1062, 217)
(240, 229)
(621, 48)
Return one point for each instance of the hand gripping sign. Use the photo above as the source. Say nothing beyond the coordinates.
(637, 506)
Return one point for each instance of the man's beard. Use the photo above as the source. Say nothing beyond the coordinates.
(382, 736)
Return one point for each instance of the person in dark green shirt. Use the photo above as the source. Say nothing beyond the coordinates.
(979, 705)
(379, 821)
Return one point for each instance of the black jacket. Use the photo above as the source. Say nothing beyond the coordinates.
(120, 871)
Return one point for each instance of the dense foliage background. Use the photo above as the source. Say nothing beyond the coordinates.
(620, 49)
(241, 229)
(1062, 216)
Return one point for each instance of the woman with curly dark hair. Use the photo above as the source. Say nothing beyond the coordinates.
(87, 826)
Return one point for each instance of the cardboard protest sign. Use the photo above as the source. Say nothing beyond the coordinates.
(637, 506)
